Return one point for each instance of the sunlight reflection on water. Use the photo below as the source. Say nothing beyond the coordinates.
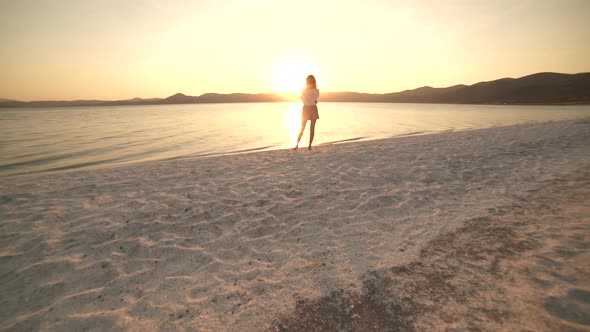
(293, 119)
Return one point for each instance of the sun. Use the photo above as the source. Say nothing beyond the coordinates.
(290, 77)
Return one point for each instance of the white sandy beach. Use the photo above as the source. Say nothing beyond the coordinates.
(486, 229)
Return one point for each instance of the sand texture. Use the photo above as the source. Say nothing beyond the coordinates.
(476, 230)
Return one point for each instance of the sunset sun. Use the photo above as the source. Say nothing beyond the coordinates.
(290, 77)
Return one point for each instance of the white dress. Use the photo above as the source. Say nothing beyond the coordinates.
(310, 108)
(310, 96)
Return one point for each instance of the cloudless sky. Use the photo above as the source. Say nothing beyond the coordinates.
(120, 49)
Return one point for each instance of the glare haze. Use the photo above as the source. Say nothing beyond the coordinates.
(70, 49)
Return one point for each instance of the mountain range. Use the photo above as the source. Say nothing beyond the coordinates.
(536, 89)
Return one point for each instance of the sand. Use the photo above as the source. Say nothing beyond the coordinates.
(482, 230)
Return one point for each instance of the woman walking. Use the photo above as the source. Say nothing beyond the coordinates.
(309, 96)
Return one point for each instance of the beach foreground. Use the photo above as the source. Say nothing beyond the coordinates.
(485, 229)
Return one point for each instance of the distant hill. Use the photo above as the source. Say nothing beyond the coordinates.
(212, 98)
(536, 89)
(542, 88)
(83, 103)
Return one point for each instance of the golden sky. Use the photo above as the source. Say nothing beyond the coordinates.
(120, 49)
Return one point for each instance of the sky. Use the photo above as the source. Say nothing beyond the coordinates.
(113, 49)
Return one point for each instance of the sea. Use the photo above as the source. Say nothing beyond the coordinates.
(36, 140)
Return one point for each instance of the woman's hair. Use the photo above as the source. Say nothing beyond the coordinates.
(310, 82)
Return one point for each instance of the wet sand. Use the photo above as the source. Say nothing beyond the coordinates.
(485, 229)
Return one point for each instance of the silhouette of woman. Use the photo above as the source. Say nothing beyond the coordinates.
(309, 96)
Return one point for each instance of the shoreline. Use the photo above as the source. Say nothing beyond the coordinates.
(105, 166)
(179, 136)
(454, 229)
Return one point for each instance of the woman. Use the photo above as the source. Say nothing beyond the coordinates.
(309, 96)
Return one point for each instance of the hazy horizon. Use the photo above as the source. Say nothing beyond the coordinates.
(112, 50)
(289, 95)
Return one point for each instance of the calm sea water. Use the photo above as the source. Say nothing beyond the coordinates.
(48, 139)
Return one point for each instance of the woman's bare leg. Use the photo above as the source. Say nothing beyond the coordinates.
(303, 122)
(311, 133)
